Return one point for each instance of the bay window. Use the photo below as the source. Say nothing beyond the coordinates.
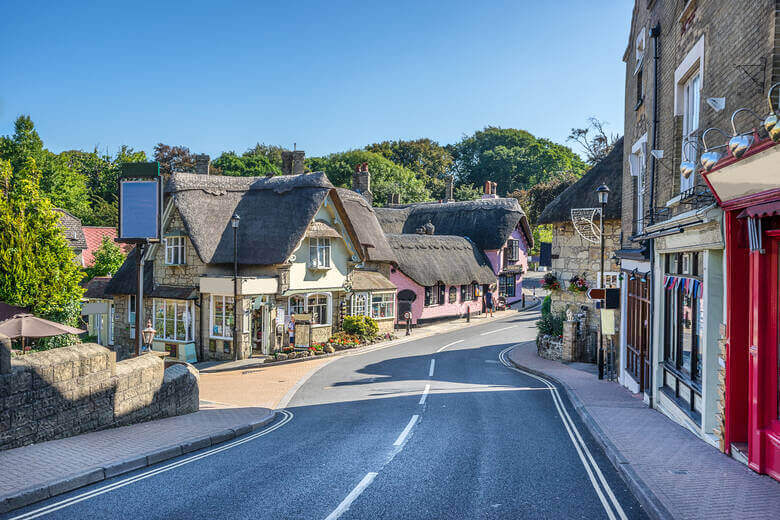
(221, 317)
(172, 320)
(383, 305)
(318, 308)
(297, 305)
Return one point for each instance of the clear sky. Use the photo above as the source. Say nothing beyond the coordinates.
(329, 75)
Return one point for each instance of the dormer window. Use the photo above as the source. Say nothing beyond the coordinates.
(174, 250)
(319, 253)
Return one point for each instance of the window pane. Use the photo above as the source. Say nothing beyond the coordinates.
(181, 331)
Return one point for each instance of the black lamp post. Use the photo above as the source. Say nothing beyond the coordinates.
(234, 222)
(603, 194)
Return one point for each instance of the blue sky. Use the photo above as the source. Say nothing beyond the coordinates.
(330, 76)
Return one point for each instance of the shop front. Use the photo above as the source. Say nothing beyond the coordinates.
(748, 189)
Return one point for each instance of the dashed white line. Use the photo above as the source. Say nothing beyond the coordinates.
(425, 394)
(401, 438)
(430, 371)
(449, 345)
(497, 330)
(344, 505)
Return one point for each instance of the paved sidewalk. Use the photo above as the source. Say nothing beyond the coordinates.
(673, 473)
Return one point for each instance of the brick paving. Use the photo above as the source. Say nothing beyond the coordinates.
(689, 477)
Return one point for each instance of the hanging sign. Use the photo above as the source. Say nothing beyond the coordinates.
(140, 203)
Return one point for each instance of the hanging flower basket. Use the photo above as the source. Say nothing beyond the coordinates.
(550, 282)
(578, 284)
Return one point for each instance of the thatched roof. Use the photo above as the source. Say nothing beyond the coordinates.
(429, 259)
(582, 194)
(367, 228)
(275, 213)
(125, 281)
(363, 280)
(487, 222)
(71, 227)
(96, 288)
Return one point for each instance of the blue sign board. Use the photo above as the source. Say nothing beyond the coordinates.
(139, 209)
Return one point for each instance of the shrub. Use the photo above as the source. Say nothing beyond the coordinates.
(546, 304)
(362, 326)
(551, 324)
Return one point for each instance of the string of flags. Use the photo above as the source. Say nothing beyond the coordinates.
(690, 286)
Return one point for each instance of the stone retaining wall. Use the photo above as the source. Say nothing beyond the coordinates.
(71, 390)
(549, 347)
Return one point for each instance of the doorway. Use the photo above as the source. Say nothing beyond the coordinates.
(261, 330)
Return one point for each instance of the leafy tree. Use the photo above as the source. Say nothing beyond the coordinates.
(108, 259)
(271, 152)
(429, 160)
(386, 176)
(37, 267)
(250, 164)
(467, 192)
(512, 158)
(65, 188)
(594, 140)
(537, 197)
(174, 158)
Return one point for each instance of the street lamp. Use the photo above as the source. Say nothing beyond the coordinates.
(148, 334)
(603, 194)
(234, 220)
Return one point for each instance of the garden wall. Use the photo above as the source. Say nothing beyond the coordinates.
(71, 390)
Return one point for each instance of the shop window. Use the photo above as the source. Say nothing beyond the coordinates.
(174, 250)
(297, 305)
(172, 320)
(453, 296)
(383, 305)
(683, 316)
(317, 306)
(506, 285)
(221, 317)
(359, 304)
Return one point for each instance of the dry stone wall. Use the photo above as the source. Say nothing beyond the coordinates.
(71, 390)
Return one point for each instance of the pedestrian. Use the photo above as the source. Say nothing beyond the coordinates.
(291, 330)
(489, 302)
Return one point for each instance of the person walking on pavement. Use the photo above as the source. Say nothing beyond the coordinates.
(489, 302)
(291, 330)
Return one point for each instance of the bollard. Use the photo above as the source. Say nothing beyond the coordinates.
(468, 315)
(408, 318)
(523, 300)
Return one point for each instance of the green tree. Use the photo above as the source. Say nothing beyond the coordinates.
(271, 152)
(428, 159)
(512, 158)
(467, 192)
(174, 158)
(37, 267)
(386, 176)
(108, 259)
(249, 164)
(534, 199)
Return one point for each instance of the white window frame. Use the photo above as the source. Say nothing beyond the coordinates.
(364, 308)
(607, 275)
(306, 309)
(302, 297)
(690, 67)
(319, 247)
(161, 333)
(175, 244)
(131, 314)
(638, 166)
(224, 321)
(111, 318)
(640, 49)
(328, 307)
(384, 302)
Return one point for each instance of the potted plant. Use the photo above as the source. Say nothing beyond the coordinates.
(578, 284)
(550, 282)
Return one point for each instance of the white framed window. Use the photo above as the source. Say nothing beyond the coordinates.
(172, 319)
(174, 250)
(611, 279)
(131, 314)
(319, 253)
(639, 48)
(221, 323)
(383, 305)
(638, 166)
(111, 318)
(318, 306)
(296, 305)
(691, 104)
(359, 304)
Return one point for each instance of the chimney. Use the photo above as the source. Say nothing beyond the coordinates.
(450, 193)
(361, 182)
(202, 164)
(293, 162)
(490, 190)
(393, 198)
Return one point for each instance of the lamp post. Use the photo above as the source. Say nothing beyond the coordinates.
(603, 195)
(234, 223)
(148, 334)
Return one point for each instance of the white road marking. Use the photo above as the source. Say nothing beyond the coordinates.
(425, 394)
(449, 345)
(288, 416)
(344, 505)
(430, 370)
(401, 438)
(497, 330)
(582, 449)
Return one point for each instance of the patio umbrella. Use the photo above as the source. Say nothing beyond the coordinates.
(29, 326)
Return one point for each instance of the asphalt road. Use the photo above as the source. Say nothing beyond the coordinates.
(363, 439)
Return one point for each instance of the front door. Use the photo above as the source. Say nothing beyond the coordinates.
(638, 331)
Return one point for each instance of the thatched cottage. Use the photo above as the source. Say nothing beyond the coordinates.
(301, 250)
(449, 254)
(571, 253)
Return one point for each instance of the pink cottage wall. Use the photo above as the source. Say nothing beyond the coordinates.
(496, 261)
(420, 311)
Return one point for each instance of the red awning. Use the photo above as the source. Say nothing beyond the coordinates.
(767, 209)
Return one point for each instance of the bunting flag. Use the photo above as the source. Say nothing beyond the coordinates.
(689, 286)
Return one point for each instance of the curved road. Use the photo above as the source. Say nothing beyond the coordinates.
(363, 438)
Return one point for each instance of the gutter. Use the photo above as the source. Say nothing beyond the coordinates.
(655, 33)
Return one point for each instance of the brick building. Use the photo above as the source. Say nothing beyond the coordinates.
(689, 66)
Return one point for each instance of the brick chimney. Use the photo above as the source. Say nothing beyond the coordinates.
(393, 198)
(361, 182)
(202, 164)
(450, 192)
(293, 162)
(490, 190)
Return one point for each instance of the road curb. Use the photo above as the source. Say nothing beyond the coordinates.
(643, 493)
(86, 477)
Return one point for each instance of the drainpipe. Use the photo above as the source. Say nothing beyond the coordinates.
(655, 33)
